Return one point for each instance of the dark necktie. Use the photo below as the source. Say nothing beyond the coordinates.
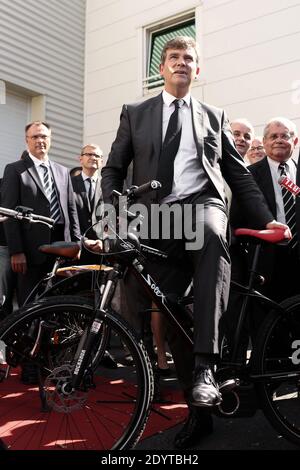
(169, 150)
(90, 193)
(289, 207)
(49, 188)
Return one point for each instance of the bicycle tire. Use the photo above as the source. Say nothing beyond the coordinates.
(110, 416)
(279, 392)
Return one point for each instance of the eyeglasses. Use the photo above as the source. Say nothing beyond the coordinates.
(38, 136)
(285, 137)
(259, 148)
(91, 155)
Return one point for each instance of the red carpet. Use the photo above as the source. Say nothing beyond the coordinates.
(24, 426)
(167, 414)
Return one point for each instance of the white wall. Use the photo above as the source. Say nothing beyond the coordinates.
(42, 45)
(250, 66)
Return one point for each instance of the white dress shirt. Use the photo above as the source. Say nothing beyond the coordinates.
(189, 176)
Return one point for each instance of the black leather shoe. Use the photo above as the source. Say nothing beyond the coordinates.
(198, 425)
(108, 361)
(205, 391)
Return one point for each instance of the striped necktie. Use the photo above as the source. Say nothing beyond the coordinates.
(165, 173)
(289, 207)
(50, 191)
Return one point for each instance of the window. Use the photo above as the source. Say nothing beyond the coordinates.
(156, 40)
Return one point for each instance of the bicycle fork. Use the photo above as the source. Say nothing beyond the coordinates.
(90, 337)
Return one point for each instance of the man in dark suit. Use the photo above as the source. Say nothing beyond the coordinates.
(279, 264)
(45, 187)
(205, 153)
(88, 195)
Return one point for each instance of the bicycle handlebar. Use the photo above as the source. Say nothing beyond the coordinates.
(152, 185)
(24, 213)
(135, 192)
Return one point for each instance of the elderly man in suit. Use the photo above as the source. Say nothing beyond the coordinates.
(88, 195)
(188, 146)
(45, 187)
(280, 263)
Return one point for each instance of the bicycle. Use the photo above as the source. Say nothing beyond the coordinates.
(72, 389)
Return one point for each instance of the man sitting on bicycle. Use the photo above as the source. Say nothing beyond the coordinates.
(188, 146)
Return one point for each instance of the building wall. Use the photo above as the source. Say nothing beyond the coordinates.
(250, 58)
(42, 45)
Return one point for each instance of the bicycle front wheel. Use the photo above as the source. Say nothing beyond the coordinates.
(110, 409)
(278, 370)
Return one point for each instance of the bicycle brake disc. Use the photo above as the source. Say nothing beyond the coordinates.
(59, 395)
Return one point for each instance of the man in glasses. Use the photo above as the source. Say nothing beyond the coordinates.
(279, 264)
(88, 196)
(44, 186)
(256, 152)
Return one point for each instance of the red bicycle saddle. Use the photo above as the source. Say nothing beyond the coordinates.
(273, 235)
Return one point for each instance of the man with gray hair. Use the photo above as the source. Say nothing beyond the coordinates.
(280, 263)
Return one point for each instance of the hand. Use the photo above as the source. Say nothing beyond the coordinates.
(18, 263)
(279, 225)
(93, 245)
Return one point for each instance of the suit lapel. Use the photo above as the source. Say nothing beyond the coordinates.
(197, 119)
(156, 123)
(33, 172)
(266, 185)
(56, 177)
(98, 193)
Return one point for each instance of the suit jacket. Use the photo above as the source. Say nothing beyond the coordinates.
(21, 185)
(139, 140)
(85, 215)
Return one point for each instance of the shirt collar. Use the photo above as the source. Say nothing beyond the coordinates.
(38, 162)
(93, 178)
(274, 164)
(168, 98)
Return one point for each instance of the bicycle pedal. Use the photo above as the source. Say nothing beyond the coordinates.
(229, 385)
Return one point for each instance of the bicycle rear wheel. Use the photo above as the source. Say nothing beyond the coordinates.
(111, 408)
(274, 360)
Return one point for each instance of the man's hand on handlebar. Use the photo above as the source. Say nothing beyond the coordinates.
(94, 245)
(19, 263)
(279, 225)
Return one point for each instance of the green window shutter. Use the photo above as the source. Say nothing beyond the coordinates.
(158, 41)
